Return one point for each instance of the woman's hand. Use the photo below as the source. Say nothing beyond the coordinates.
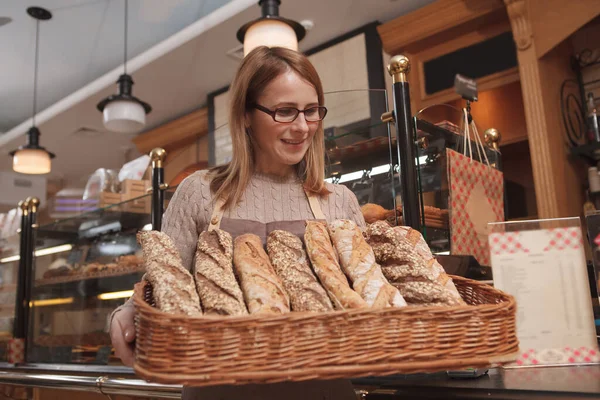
(122, 334)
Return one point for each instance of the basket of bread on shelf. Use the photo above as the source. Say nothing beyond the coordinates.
(127, 188)
(433, 217)
(339, 302)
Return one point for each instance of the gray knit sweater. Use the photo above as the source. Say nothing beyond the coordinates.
(266, 199)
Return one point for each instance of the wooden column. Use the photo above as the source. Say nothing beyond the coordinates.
(546, 186)
(558, 181)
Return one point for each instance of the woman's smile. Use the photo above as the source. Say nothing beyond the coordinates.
(294, 144)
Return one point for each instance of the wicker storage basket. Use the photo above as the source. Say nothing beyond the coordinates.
(211, 350)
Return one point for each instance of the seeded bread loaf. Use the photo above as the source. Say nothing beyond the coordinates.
(219, 292)
(291, 265)
(173, 286)
(419, 281)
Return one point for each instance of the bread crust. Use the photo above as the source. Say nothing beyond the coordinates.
(291, 265)
(358, 262)
(173, 286)
(219, 292)
(326, 265)
(261, 287)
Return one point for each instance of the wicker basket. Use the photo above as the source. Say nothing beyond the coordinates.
(212, 350)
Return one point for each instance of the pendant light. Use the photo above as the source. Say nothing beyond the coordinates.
(33, 158)
(123, 112)
(270, 30)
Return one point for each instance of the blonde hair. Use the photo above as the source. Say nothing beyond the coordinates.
(261, 66)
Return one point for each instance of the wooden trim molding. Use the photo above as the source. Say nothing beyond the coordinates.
(175, 134)
(433, 19)
(553, 21)
(486, 83)
(520, 22)
(453, 44)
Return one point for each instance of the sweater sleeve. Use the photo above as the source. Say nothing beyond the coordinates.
(185, 217)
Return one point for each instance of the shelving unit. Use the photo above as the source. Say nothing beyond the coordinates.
(112, 273)
(68, 311)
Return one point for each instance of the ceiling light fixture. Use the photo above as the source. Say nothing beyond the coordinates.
(270, 30)
(123, 112)
(33, 158)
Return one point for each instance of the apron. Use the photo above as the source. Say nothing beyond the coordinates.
(339, 389)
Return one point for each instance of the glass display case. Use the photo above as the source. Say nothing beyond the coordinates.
(84, 267)
(359, 153)
(9, 267)
(363, 156)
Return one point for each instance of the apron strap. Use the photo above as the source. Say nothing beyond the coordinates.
(315, 206)
(217, 214)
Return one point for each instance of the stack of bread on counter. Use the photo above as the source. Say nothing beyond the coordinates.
(335, 267)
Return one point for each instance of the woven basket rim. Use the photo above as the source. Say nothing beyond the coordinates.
(232, 378)
(508, 301)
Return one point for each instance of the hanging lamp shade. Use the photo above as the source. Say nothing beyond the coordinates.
(270, 30)
(32, 158)
(123, 112)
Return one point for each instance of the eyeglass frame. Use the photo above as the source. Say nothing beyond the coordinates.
(272, 113)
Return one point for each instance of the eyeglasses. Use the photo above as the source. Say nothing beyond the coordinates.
(289, 114)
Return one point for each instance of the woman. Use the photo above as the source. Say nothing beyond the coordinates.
(274, 181)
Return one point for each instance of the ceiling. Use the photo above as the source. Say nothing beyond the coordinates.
(83, 41)
(177, 52)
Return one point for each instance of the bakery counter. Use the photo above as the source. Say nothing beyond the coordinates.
(531, 383)
(527, 383)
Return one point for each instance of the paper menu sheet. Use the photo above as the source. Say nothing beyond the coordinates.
(546, 272)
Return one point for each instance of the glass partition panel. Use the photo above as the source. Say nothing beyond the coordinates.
(84, 267)
(359, 153)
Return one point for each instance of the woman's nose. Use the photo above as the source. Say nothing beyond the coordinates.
(300, 123)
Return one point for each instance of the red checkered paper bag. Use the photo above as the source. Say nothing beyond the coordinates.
(16, 351)
(476, 198)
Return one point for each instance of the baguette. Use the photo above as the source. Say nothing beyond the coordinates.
(219, 292)
(420, 281)
(173, 286)
(358, 262)
(261, 287)
(327, 267)
(291, 265)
